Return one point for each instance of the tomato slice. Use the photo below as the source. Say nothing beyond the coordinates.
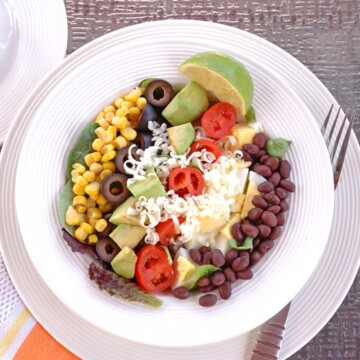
(166, 231)
(153, 272)
(218, 120)
(208, 145)
(186, 181)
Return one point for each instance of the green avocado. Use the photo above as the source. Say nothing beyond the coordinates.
(124, 263)
(119, 215)
(128, 235)
(151, 187)
(181, 137)
(188, 105)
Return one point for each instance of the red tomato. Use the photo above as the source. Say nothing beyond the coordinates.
(207, 145)
(166, 231)
(186, 181)
(153, 272)
(218, 120)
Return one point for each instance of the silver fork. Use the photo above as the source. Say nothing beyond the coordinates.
(271, 333)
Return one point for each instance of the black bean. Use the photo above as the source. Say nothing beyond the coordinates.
(272, 162)
(275, 209)
(262, 170)
(230, 256)
(246, 222)
(205, 281)
(181, 292)
(280, 219)
(249, 230)
(255, 256)
(281, 193)
(264, 158)
(271, 199)
(285, 169)
(208, 300)
(275, 233)
(251, 149)
(269, 218)
(287, 185)
(275, 178)
(284, 205)
(246, 274)
(259, 202)
(264, 231)
(259, 154)
(206, 257)
(237, 233)
(203, 249)
(217, 278)
(241, 263)
(265, 246)
(218, 258)
(230, 275)
(244, 253)
(260, 140)
(254, 214)
(225, 290)
(247, 156)
(205, 289)
(266, 187)
(195, 255)
(256, 242)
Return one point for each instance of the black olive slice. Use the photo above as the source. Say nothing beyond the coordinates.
(114, 188)
(107, 249)
(148, 114)
(122, 155)
(143, 140)
(159, 93)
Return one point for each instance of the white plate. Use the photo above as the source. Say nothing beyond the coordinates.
(313, 302)
(277, 278)
(28, 50)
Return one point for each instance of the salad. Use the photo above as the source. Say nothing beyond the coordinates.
(177, 190)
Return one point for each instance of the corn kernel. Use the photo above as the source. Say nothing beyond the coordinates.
(134, 114)
(82, 218)
(89, 175)
(80, 234)
(94, 213)
(106, 148)
(74, 176)
(101, 200)
(103, 123)
(96, 168)
(90, 203)
(120, 122)
(92, 221)
(78, 190)
(97, 178)
(93, 197)
(80, 209)
(104, 174)
(100, 132)
(100, 225)
(109, 165)
(92, 239)
(123, 111)
(108, 137)
(141, 103)
(109, 109)
(106, 208)
(80, 180)
(109, 116)
(127, 104)
(133, 95)
(89, 159)
(120, 142)
(71, 216)
(93, 188)
(96, 156)
(118, 101)
(113, 130)
(79, 168)
(87, 227)
(128, 133)
(108, 156)
(79, 200)
(101, 114)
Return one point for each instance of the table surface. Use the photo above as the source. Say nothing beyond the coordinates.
(323, 34)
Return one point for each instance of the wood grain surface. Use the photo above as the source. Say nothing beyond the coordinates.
(323, 34)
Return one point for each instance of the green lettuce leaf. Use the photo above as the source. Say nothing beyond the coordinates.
(65, 200)
(247, 244)
(200, 272)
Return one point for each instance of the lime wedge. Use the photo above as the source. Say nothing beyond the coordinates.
(226, 78)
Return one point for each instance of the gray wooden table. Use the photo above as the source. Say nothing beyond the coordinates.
(323, 34)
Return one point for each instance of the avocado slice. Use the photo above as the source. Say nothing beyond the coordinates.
(124, 263)
(119, 216)
(151, 187)
(181, 137)
(187, 105)
(128, 235)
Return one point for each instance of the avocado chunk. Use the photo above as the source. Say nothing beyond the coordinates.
(128, 235)
(151, 187)
(181, 137)
(119, 216)
(124, 263)
(187, 105)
